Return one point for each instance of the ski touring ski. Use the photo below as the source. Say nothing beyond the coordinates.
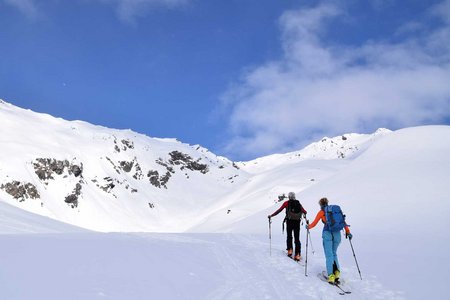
(323, 276)
(300, 262)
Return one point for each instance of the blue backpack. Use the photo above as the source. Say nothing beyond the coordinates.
(335, 219)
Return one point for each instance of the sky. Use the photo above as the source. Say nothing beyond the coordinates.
(242, 78)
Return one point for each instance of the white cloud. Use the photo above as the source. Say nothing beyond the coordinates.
(129, 10)
(316, 90)
(443, 10)
(27, 7)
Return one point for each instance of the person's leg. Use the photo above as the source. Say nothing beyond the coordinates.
(289, 229)
(336, 242)
(298, 246)
(327, 239)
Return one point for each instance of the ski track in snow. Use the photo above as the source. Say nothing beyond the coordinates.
(164, 266)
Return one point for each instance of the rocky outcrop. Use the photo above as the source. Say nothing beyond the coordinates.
(185, 161)
(47, 168)
(123, 145)
(127, 166)
(177, 158)
(157, 180)
(72, 199)
(116, 168)
(21, 191)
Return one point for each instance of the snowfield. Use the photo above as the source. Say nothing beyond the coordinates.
(164, 266)
(207, 234)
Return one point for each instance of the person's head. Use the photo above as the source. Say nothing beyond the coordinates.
(291, 196)
(323, 202)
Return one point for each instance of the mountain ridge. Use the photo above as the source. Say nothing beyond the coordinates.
(118, 180)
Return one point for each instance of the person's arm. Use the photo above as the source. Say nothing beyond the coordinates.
(347, 232)
(303, 210)
(283, 206)
(347, 229)
(319, 216)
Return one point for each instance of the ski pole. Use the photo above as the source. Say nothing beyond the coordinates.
(306, 260)
(312, 246)
(270, 235)
(359, 271)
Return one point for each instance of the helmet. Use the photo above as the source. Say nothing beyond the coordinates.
(291, 196)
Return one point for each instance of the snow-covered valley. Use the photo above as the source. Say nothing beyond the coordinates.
(178, 222)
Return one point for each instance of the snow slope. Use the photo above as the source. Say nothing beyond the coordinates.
(396, 197)
(18, 221)
(105, 179)
(118, 180)
(161, 266)
(393, 186)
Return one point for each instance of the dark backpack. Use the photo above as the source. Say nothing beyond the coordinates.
(335, 219)
(294, 210)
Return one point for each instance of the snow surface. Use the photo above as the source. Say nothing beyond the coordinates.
(17, 221)
(393, 188)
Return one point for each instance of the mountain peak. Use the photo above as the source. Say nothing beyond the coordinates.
(338, 147)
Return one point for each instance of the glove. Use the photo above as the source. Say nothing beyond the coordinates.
(307, 226)
(349, 235)
(269, 216)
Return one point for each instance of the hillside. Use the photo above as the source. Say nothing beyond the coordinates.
(395, 196)
(118, 180)
(393, 187)
(105, 179)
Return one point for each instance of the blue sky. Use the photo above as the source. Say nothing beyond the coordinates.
(243, 78)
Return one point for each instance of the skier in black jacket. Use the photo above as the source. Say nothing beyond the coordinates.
(294, 212)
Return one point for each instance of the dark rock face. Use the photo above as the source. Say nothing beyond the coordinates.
(21, 191)
(47, 168)
(72, 199)
(126, 165)
(116, 168)
(178, 158)
(109, 185)
(166, 165)
(164, 179)
(127, 144)
(154, 178)
(76, 170)
(124, 145)
(157, 180)
(138, 174)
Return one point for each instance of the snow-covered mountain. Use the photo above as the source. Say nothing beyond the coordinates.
(105, 179)
(345, 146)
(393, 187)
(118, 180)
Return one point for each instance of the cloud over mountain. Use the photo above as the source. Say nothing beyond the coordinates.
(322, 88)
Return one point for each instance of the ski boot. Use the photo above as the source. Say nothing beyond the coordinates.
(331, 279)
(336, 276)
(289, 253)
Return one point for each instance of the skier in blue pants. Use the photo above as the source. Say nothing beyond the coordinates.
(331, 241)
